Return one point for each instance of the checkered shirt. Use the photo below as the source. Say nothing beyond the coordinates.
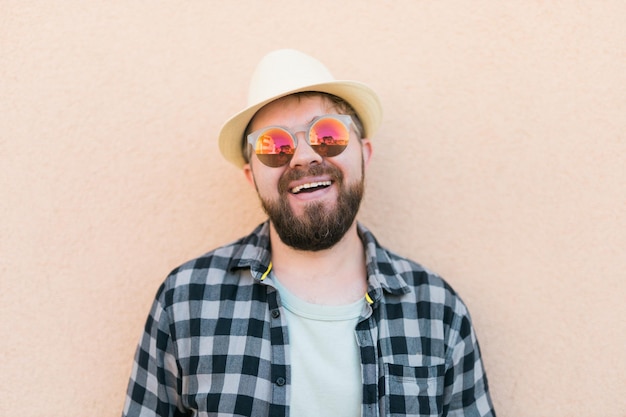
(216, 341)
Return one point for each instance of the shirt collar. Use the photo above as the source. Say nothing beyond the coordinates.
(381, 268)
(253, 252)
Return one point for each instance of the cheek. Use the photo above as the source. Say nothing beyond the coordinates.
(352, 162)
(265, 179)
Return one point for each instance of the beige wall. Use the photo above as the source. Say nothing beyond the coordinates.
(500, 165)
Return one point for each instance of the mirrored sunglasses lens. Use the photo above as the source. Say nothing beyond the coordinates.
(329, 137)
(274, 147)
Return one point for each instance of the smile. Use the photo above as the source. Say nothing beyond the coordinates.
(310, 186)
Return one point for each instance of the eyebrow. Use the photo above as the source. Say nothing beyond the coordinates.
(315, 117)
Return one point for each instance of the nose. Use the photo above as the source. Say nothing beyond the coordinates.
(304, 155)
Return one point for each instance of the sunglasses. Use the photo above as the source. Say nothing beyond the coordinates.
(327, 135)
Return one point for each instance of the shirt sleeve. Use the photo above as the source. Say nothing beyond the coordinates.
(466, 388)
(153, 389)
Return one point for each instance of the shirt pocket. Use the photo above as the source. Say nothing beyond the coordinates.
(413, 391)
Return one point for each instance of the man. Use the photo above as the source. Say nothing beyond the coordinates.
(308, 315)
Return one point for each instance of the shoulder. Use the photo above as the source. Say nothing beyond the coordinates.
(405, 280)
(222, 266)
(395, 268)
(423, 282)
(416, 274)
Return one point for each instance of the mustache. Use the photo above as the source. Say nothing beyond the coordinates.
(295, 174)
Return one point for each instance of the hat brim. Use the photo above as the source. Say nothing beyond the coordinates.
(362, 98)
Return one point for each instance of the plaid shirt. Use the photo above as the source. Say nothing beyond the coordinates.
(216, 341)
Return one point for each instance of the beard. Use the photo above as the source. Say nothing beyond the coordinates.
(319, 227)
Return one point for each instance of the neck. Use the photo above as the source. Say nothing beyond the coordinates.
(333, 276)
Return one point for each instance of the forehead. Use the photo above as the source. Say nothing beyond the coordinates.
(292, 110)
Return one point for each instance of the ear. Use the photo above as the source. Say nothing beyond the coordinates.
(366, 150)
(247, 171)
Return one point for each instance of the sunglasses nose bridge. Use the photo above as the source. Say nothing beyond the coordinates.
(299, 136)
(304, 153)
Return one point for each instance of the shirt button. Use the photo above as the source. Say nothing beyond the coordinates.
(280, 381)
(275, 314)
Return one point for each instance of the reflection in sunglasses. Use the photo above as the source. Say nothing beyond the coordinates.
(327, 135)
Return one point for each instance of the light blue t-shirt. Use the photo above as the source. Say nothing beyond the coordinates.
(325, 359)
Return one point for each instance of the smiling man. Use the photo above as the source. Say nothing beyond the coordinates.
(308, 315)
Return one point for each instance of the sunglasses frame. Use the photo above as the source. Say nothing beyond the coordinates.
(345, 119)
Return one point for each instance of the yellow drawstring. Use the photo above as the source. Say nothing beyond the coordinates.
(269, 268)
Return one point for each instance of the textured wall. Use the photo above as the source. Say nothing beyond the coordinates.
(500, 165)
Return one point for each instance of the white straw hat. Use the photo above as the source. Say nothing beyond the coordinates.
(287, 71)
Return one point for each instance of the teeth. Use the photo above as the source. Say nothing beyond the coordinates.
(308, 185)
